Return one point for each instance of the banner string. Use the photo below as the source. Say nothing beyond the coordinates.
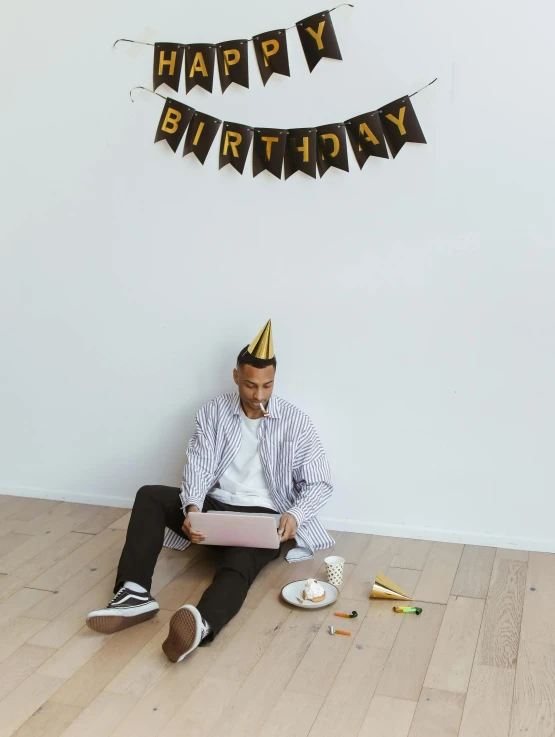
(146, 43)
(423, 88)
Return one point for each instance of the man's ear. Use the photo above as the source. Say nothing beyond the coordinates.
(235, 376)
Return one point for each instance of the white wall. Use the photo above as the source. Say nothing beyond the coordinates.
(412, 302)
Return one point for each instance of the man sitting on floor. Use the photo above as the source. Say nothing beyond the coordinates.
(240, 459)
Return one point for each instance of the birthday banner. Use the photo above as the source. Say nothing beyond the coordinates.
(296, 149)
(198, 60)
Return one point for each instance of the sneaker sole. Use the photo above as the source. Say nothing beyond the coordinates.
(182, 635)
(111, 624)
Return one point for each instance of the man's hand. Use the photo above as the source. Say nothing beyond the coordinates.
(193, 535)
(287, 527)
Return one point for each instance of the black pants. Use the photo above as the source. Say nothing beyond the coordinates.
(158, 507)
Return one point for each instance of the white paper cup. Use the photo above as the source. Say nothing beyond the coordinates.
(334, 569)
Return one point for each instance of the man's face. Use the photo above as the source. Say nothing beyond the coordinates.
(255, 385)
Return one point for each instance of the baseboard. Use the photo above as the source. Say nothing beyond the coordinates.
(341, 525)
(441, 535)
(60, 496)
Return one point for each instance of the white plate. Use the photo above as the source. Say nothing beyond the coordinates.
(295, 589)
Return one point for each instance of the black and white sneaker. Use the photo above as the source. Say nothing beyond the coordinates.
(187, 629)
(126, 609)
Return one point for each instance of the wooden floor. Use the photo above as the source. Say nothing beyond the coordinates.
(478, 662)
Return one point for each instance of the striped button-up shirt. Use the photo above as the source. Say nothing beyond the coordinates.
(292, 457)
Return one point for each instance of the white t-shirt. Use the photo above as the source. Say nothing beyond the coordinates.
(244, 483)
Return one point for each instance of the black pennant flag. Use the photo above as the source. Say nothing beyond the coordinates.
(199, 66)
(271, 53)
(400, 124)
(233, 63)
(235, 144)
(300, 154)
(168, 60)
(318, 38)
(332, 147)
(268, 150)
(174, 120)
(367, 137)
(200, 135)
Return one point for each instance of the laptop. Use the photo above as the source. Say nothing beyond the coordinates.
(237, 529)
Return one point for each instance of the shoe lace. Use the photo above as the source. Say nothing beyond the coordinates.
(117, 596)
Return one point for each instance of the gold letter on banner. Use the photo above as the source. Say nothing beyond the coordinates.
(304, 149)
(164, 61)
(365, 132)
(335, 139)
(317, 35)
(232, 144)
(171, 120)
(231, 57)
(269, 48)
(198, 133)
(198, 65)
(269, 140)
(398, 121)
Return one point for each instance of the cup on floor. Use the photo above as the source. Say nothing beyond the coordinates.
(334, 569)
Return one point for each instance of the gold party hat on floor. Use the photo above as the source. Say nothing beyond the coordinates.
(263, 345)
(385, 589)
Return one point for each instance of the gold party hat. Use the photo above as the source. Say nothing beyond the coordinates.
(263, 345)
(385, 589)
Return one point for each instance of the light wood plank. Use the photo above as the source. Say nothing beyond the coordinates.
(22, 663)
(72, 619)
(348, 700)
(412, 554)
(16, 633)
(160, 703)
(63, 516)
(539, 600)
(377, 558)
(117, 654)
(33, 508)
(12, 505)
(101, 716)
(72, 656)
(487, 711)
(474, 573)
(438, 575)
(203, 708)
(121, 523)
(414, 645)
(39, 562)
(170, 566)
(533, 712)
(101, 520)
(406, 578)
(499, 638)
(19, 603)
(49, 720)
(12, 540)
(260, 690)
(24, 701)
(438, 714)
(197, 575)
(239, 658)
(327, 653)
(510, 554)
(74, 562)
(387, 716)
(351, 546)
(454, 651)
(294, 714)
(79, 584)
